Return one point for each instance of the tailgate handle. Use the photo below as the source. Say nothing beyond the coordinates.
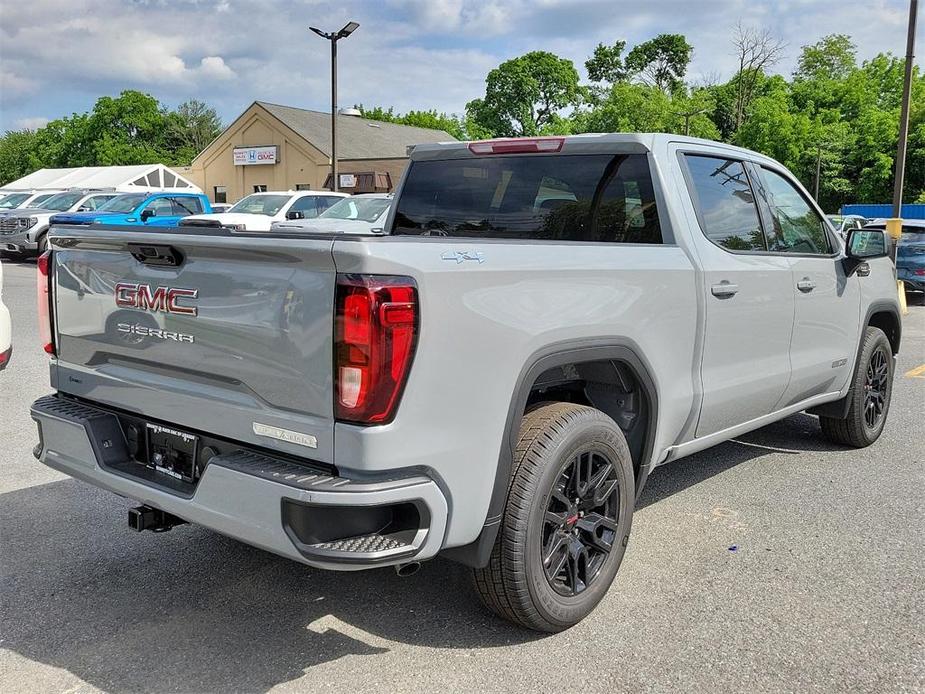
(156, 254)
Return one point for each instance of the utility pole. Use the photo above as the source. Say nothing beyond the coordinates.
(904, 113)
(334, 37)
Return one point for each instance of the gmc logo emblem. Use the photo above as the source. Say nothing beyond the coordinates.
(163, 299)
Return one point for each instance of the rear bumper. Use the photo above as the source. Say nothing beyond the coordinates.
(280, 506)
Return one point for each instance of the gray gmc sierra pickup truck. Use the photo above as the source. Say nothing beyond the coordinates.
(541, 323)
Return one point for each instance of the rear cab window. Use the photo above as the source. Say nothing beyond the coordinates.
(725, 202)
(562, 197)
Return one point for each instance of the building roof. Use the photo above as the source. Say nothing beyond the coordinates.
(120, 178)
(357, 138)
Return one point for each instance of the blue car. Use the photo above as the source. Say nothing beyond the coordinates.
(910, 253)
(136, 209)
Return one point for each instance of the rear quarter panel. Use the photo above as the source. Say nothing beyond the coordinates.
(481, 325)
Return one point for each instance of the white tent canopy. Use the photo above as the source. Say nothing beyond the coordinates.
(123, 179)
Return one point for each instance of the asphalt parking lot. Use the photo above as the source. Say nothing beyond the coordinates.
(777, 562)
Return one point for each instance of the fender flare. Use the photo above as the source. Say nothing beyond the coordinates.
(477, 553)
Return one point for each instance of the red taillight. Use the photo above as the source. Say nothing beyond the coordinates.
(518, 145)
(375, 332)
(919, 271)
(43, 295)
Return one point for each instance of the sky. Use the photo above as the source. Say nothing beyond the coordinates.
(58, 56)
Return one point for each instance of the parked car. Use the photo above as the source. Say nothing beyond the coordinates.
(845, 223)
(148, 209)
(24, 231)
(6, 333)
(910, 252)
(23, 199)
(357, 214)
(258, 211)
(543, 321)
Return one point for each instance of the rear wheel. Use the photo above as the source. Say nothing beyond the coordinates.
(869, 397)
(42, 244)
(567, 519)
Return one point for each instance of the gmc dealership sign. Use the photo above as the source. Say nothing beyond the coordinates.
(248, 156)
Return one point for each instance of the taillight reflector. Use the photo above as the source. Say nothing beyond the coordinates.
(43, 297)
(375, 334)
(517, 145)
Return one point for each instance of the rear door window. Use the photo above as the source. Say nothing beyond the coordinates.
(598, 198)
(186, 205)
(725, 203)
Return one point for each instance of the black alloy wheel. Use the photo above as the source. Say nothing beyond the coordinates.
(580, 525)
(875, 387)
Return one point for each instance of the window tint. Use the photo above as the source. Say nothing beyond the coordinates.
(307, 204)
(183, 206)
(600, 197)
(161, 207)
(326, 201)
(96, 201)
(726, 203)
(797, 226)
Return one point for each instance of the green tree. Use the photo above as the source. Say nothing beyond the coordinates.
(129, 129)
(17, 149)
(606, 64)
(190, 129)
(832, 58)
(523, 96)
(661, 62)
(420, 119)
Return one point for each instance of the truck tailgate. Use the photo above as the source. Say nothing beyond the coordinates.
(234, 340)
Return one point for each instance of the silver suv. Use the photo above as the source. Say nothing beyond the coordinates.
(542, 322)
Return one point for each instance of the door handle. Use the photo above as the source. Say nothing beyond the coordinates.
(806, 285)
(724, 290)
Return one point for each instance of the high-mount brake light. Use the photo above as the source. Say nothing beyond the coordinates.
(43, 297)
(518, 145)
(375, 334)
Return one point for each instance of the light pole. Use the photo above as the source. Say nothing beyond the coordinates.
(904, 113)
(334, 37)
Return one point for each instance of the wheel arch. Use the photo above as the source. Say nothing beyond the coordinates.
(623, 352)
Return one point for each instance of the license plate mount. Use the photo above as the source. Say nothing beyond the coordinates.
(172, 452)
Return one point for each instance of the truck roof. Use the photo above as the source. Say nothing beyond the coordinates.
(586, 143)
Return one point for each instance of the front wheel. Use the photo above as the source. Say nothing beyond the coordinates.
(567, 520)
(869, 396)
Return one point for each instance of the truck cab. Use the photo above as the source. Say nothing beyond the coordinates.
(141, 209)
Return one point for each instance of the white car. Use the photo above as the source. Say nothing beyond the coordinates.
(359, 214)
(6, 334)
(258, 211)
(24, 230)
(13, 200)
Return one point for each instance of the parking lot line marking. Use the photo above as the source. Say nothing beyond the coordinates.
(917, 372)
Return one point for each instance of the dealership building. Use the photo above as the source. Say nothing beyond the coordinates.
(273, 147)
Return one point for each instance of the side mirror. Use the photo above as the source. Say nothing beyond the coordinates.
(84, 208)
(863, 245)
(147, 214)
(295, 214)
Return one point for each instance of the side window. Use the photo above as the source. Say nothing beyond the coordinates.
(184, 206)
(725, 203)
(797, 226)
(161, 207)
(307, 204)
(95, 202)
(325, 201)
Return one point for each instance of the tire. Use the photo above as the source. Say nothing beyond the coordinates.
(42, 245)
(556, 440)
(869, 396)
